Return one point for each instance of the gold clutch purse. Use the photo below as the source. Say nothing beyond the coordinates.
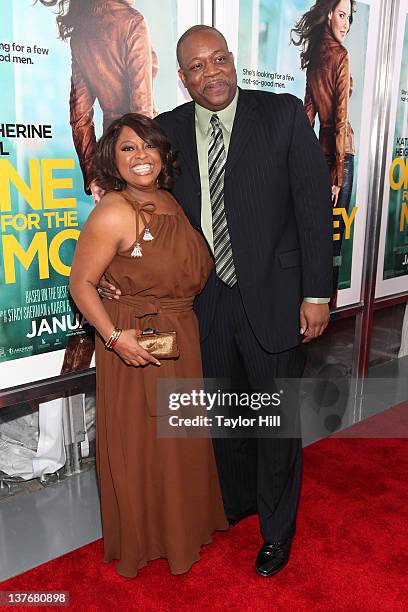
(162, 345)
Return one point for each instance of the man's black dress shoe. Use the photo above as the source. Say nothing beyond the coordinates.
(272, 557)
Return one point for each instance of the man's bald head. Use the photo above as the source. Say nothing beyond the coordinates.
(195, 29)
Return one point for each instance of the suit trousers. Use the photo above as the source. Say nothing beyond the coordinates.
(257, 474)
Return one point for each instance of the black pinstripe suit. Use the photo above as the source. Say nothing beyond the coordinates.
(278, 207)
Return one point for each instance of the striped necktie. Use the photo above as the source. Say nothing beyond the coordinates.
(224, 262)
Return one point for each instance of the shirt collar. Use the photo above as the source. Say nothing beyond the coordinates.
(226, 116)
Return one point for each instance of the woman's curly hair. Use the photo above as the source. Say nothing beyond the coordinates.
(107, 175)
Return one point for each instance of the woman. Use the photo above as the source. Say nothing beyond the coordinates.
(321, 33)
(160, 496)
(112, 62)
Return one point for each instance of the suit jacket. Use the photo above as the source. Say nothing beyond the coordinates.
(113, 62)
(277, 200)
(328, 88)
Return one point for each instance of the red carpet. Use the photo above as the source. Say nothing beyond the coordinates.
(350, 551)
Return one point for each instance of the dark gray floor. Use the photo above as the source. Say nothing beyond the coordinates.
(386, 386)
(47, 523)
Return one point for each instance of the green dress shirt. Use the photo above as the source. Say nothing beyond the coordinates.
(203, 135)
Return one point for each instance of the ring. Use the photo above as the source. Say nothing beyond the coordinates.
(99, 290)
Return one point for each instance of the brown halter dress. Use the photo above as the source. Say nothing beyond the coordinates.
(160, 497)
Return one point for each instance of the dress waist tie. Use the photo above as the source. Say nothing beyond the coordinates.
(144, 306)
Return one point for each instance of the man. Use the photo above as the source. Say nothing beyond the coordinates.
(255, 183)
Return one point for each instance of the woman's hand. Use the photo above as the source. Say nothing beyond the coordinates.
(335, 194)
(128, 348)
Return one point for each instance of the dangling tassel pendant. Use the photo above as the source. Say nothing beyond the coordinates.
(137, 251)
(147, 235)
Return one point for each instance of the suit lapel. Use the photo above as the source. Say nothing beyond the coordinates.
(242, 129)
(186, 138)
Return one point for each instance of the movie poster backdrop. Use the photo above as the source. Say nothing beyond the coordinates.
(392, 269)
(259, 34)
(43, 204)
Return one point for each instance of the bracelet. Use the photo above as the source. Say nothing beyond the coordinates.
(113, 338)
